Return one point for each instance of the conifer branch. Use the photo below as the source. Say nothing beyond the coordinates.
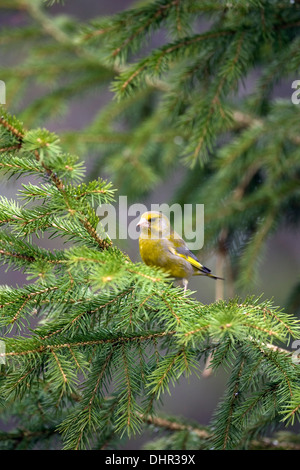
(103, 244)
(174, 426)
(15, 132)
(162, 10)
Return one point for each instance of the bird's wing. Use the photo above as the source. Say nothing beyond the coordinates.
(180, 249)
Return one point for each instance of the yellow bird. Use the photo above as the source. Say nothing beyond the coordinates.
(161, 246)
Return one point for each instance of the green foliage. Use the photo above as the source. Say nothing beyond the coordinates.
(93, 341)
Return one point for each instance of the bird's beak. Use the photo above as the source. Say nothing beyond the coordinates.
(143, 223)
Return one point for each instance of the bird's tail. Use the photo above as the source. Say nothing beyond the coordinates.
(202, 270)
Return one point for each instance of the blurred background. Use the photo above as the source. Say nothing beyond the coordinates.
(195, 398)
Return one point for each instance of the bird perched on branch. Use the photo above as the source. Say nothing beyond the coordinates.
(161, 246)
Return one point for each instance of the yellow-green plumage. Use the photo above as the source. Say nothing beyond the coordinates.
(161, 246)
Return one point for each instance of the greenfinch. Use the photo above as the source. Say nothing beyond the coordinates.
(161, 246)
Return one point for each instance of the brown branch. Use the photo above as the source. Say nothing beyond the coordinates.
(12, 147)
(32, 294)
(59, 366)
(41, 349)
(103, 244)
(30, 259)
(264, 442)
